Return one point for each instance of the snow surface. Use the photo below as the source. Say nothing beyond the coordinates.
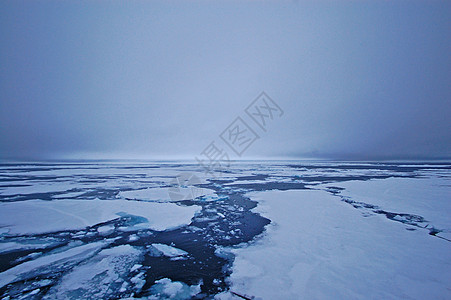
(38, 216)
(37, 187)
(427, 197)
(167, 194)
(6, 247)
(319, 248)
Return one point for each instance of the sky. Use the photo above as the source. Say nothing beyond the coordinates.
(358, 80)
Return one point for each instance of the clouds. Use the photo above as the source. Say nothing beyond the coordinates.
(356, 80)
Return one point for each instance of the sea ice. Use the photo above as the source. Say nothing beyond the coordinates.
(98, 277)
(167, 194)
(165, 288)
(169, 251)
(21, 245)
(319, 248)
(38, 216)
(426, 197)
(49, 263)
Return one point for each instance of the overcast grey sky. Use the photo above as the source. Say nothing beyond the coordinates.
(154, 79)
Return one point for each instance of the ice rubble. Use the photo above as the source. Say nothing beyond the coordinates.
(50, 263)
(101, 276)
(38, 216)
(167, 289)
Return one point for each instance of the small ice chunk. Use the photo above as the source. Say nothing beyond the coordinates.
(169, 251)
(123, 287)
(135, 267)
(214, 197)
(166, 288)
(133, 238)
(138, 281)
(106, 229)
(399, 218)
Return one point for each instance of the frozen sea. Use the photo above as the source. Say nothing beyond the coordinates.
(256, 230)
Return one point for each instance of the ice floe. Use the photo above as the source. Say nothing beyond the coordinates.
(24, 244)
(167, 194)
(319, 248)
(426, 197)
(38, 216)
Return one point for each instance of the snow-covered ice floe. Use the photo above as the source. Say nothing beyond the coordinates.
(167, 194)
(425, 197)
(23, 245)
(38, 216)
(319, 248)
